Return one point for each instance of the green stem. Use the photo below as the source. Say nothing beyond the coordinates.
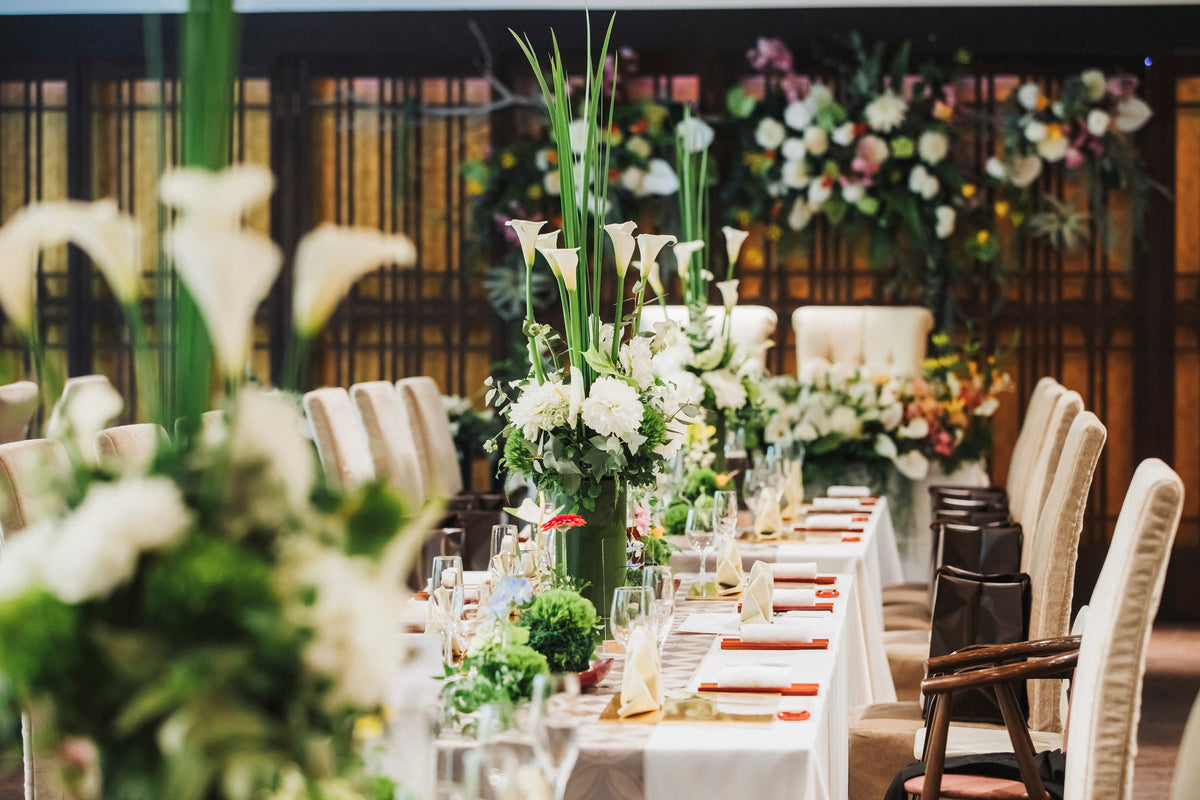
(616, 343)
(149, 399)
(297, 357)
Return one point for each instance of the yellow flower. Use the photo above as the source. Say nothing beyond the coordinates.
(474, 188)
(942, 111)
(723, 479)
(743, 218)
(774, 232)
(368, 728)
(507, 160)
(940, 340)
(1002, 209)
(534, 192)
(1042, 102)
(968, 190)
(1054, 131)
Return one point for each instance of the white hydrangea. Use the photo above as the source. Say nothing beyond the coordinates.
(886, 112)
(613, 408)
(540, 408)
(727, 389)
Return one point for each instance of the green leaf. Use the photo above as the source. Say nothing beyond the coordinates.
(740, 103)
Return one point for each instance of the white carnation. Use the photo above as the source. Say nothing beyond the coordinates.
(689, 389)
(923, 183)
(886, 112)
(727, 389)
(613, 408)
(770, 133)
(540, 407)
(798, 115)
(637, 360)
(933, 146)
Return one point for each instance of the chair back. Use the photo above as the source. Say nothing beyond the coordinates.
(1106, 693)
(1033, 429)
(1186, 783)
(1051, 552)
(1044, 465)
(129, 448)
(29, 470)
(750, 327)
(340, 438)
(436, 452)
(889, 339)
(390, 437)
(18, 404)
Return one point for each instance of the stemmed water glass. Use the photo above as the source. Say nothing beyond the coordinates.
(757, 480)
(504, 540)
(725, 512)
(631, 605)
(555, 725)
(702, 538)
(448, 576)
(660, 580)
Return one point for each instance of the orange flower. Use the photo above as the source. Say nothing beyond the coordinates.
(723, 479)
(942, 111)
(968, 190)
(1002, 209)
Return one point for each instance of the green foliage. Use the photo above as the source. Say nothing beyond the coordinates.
(675, 519)
(373, 515)
(39, 639)
(698, 482)
(501, 669)
(562, 627)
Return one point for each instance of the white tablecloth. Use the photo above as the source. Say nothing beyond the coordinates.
(785, 760)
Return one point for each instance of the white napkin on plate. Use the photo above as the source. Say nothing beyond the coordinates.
(794, 597)
(757, 599)
(848, 491)
(793, 489)
(790, 632)
(641, 685)
(729, 566)
(768, 521)
(796, 571)
(828, 522)
(835, 503)
(757, 676)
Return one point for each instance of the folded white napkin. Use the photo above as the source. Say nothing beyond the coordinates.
(768, 520)
(799, 570)
(757, 599)
(848, 491)
(794, 597)
(793, 489)
(828, 522)
(779, 632)
(835, 504)
(440, 609)
(641, 686)
(759, 676)
(729, 566)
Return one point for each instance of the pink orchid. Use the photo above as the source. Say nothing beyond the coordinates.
(769, 54)
(1120, 86)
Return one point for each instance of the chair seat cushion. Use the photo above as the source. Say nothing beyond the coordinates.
(906, 618)
(881, 738)
(971, 787)
(906, 593)
(907, 663)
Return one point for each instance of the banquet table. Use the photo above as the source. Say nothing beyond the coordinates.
(799, 760)
(874, 561)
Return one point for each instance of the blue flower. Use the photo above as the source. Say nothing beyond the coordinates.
(510, 591)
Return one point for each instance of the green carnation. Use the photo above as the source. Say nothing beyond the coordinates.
(562, 627)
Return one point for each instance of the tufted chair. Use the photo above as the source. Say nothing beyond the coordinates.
(340, 438)
(750, 327)
(431, 428)
(879, 338)
(390, 437)
(129, 448)
(18, 404)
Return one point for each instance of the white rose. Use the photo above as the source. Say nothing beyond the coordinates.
(770, 133)
(933, 146)
(1028, 96)
(800, 215)
(1035, 131)
(816, 141)
(793, 149)
(797, 115)
(794, 174)
(1093, 80)
(1097, 122)
(843, 420)
(844, 134)
(945, 221)
(1053, 149)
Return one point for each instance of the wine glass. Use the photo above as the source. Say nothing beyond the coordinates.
(630, 606)
(555, 725)
(504, 542)
(447, 573)
(660, 580)
(702, 538)
(757, 480)
(725, 512)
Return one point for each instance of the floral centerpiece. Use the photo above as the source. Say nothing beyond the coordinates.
(591, 419)
(213, 622)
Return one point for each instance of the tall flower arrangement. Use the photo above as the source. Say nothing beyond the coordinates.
(216, 621)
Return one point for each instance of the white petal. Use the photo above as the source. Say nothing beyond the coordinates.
(219, 199)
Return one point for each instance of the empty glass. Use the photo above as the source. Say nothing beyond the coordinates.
(702, 538)
(555, 726)
(631, 605)
(757, 480)
(725, 513)
(504, 548)
(660, 580)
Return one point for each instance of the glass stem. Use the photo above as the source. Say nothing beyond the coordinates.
(703, 570)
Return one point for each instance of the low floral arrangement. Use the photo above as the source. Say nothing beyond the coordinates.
(211, 623)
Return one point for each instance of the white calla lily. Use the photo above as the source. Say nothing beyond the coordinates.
(734, 239)
(20, 243)
(228, 274)
(650, 245)
(1132, 114)
(655, 280)
(528, 234)
(683, 253)
(621, 234)
(729, 293)
(564, 262)
(330, 259)
(576, 396)
(216, 199)
(113, 240)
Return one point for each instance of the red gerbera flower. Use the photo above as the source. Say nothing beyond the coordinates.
(564, 521)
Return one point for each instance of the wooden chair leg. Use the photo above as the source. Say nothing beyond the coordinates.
(1022, 744)
(935, 749)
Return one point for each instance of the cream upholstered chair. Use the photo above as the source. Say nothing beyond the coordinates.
(129, 448)
(1186, 783)
(887, 339)
(390, 437)
(341, 440)
(882, 735)
(18, 404)
(750, 327)
(1106, 687)
(27, 468)
(436, 452)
